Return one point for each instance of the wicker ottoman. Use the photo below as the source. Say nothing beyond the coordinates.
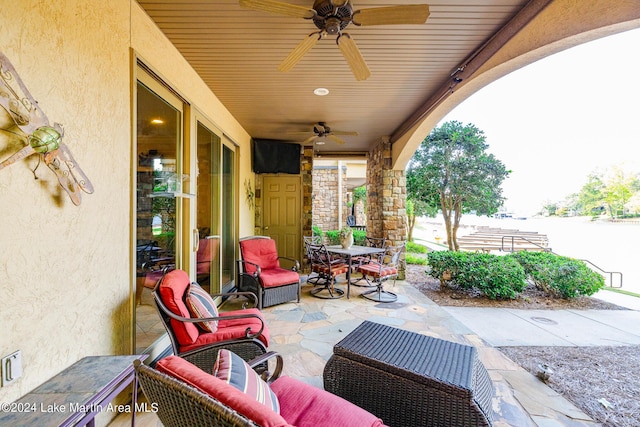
(408, 379)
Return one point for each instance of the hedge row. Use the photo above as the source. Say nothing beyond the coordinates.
(504, 277)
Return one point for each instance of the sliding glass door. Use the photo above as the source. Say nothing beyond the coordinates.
(185, 200)
(215, 210)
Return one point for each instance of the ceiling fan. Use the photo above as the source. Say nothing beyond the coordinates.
(321, 130)
(333, 16)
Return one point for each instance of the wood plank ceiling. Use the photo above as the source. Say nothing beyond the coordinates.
(236, 51)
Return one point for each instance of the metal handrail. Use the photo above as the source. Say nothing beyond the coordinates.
(513, 239)
(604, 272)
(600, 270)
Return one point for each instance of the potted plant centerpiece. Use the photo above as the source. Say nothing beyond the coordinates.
(346, 237)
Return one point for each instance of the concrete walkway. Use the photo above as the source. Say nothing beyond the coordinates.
(502, 327)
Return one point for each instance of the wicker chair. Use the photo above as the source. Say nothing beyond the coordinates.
(187, 395)
(259, 272)
(241, 331)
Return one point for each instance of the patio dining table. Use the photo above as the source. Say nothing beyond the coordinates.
(349, 253)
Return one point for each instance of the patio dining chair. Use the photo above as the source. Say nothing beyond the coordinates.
(309, 242)
(327, 268)
(259, 271)
(197, 330)
(372, 242)
(376, 273)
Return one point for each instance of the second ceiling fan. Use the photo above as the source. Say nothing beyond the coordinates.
(333, 16)
(322, 131)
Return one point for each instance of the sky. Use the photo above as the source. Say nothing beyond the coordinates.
(555, 121)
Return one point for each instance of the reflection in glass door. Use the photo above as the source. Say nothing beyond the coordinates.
(208, 209)
(158, 181)
(228, 238)
(215, 210)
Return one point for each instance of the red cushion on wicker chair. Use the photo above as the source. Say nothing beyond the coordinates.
(260, 251)
(218, 389)
(303, 405)
(277, 277)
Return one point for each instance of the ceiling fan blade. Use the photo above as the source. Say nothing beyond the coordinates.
(309, 140)
(339, 3)
(390, 15)
(353, 57)
(339, 132)
(280, 8)
(298, 52)
(335, 139)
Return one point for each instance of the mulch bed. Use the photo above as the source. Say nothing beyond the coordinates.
(601, 381)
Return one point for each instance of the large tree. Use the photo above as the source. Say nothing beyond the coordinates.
(451, 170)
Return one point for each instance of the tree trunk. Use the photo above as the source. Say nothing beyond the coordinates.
(411, 221)
(456, 223)
(447, 211)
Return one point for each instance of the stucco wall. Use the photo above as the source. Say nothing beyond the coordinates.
(65, 271)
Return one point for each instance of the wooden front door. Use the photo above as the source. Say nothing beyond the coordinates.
(282, 213)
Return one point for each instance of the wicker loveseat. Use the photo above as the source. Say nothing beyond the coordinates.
(185, 395)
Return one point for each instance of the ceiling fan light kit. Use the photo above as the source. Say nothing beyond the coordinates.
(333, 16)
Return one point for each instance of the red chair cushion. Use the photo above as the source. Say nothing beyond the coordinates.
(375, 271)
(303, 405)
(259, 251)
(172, 290)
(204, 256)
(274, 277)
(335, 269)
(229, 329)
(218, 389)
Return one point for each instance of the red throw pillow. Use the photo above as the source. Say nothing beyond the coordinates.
(219, 390)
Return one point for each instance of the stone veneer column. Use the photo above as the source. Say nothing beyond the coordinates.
(386, 198)
(326, 197)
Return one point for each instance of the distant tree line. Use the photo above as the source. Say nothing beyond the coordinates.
(614, 193)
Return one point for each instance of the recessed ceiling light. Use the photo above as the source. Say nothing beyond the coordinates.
(321, 91)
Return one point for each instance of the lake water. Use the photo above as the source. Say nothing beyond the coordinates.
(610, 246)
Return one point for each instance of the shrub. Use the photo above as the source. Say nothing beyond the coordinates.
(333, 237)
(416, 248)
(559, 276)
(416, 260)
(497, 277)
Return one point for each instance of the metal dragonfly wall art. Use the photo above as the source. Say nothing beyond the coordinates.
(39, 136)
